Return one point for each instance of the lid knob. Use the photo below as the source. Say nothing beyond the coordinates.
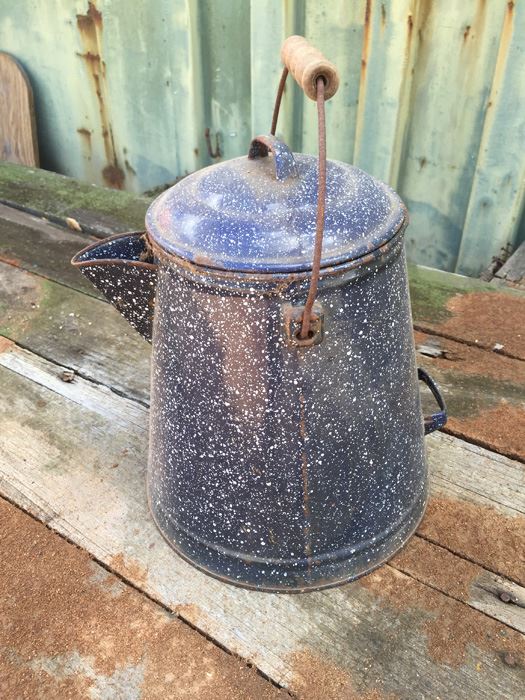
(285, 166)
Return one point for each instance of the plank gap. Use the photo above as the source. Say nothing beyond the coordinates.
(467, 558)
(129, 582)
(430, 330)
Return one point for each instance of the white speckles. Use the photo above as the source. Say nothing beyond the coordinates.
(237, 215)
(229, 447)
(272, 465)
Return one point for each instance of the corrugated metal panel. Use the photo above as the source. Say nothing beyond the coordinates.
(432, 98)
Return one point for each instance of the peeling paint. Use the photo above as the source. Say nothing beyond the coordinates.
(90, 28)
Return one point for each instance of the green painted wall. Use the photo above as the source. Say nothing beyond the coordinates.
(432, 98)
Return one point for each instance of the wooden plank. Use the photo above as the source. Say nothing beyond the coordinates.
(458, 307)
(461, 579)
(468, 310)
(119, 642)
(451, 305)
(496, 485)
(74, 330)
(35, 244)
(98, 210)
(485, 391)
(18, 136)
(81, 459)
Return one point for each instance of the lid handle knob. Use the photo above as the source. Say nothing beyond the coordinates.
(285, 166)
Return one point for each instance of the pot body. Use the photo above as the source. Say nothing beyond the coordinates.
(275, 466)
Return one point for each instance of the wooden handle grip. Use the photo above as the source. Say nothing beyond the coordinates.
(307, 64)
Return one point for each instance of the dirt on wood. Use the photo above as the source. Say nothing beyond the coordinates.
(433, 565)
(451, 627)
(485, 393)
(70, 629)
(315, 678)
(479, 533)
(129, 569)
(501, 428)
(487, 318)
(459, 358)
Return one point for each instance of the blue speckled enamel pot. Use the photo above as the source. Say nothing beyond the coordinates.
(276, 465)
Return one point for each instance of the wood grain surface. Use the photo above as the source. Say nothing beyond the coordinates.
(18, 138)
(484, 389)
(74, 454)
(445, 618)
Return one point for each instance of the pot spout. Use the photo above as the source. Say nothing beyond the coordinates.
(123, 268)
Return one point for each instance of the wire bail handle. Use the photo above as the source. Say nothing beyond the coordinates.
(319, 80)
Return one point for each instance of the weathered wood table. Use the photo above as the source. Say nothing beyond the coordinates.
(444, 619)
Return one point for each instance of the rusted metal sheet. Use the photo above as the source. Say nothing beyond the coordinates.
(134, 96)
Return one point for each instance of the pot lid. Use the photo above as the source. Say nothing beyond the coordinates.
(258, 214)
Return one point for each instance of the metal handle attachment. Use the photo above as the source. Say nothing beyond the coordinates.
(285, 166)
(319, 79)
(436, 420)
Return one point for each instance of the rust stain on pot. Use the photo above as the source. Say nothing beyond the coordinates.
(90, 28)
(306, 488)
